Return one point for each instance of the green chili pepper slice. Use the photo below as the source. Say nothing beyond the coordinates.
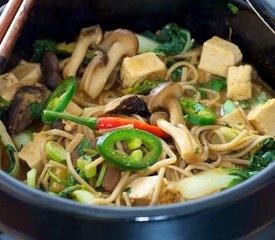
(106, 148)
(196, 112)
(60, 98)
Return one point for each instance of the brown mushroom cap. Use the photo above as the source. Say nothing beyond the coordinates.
(49, 62)
(122, 35)
(50, 68)
(19, 114)
(127, 104)
(165, 96)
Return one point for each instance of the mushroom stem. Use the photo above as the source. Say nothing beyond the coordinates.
(174, 109)
(188, 147)
(101, 75)
(90, 36)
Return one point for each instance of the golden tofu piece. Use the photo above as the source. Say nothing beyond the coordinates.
(239, 86)
(31, 153)
(219, 54)
(141, 189)
(262, 117)
(141, 67)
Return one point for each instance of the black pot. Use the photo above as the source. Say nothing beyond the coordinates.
(244, 211)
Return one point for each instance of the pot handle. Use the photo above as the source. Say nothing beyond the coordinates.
(265, 9)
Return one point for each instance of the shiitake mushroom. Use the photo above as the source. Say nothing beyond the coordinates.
(25, 107)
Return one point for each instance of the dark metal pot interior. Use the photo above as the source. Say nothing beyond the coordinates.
(234, 213)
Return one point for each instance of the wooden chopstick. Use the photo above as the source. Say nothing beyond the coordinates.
(12, 34)
(8, 15)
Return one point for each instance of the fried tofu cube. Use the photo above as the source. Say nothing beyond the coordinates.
(31, 152)
(239, 86)
(141, 189)
(219, 54)
(262, 117)
(141, 67)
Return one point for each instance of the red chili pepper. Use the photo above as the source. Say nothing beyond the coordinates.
(112, 122)
(106, 122)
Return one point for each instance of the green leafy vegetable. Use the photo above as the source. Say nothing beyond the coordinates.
(217, 84)
(228, 107)
(36, 109)
(264, 155)
(82, 146)
(233, 8)
(144, 87)
(23, 138)
(67, 192)
(40, 46)
(128, 190)
(172, 40)
(176, 75)
(4, 104)
(11, 150)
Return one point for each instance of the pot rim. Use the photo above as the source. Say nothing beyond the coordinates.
(40, 199)
(44, 200)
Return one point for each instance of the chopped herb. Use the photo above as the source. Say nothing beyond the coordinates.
(233, 8)
(197, 150)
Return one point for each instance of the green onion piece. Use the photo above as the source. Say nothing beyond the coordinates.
(82, 162)
(134, 143)
(56, 151)
(31, 177)
(137, 155)
(101, 175)
(83, 196)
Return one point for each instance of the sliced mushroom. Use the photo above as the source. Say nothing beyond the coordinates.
(165, 97)
(88, 37)
(127, 104)
(99, 61)
(158, 115)
(20, 115)
(50, 68)
(49, 62)
(119, 43)
(111, 178)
